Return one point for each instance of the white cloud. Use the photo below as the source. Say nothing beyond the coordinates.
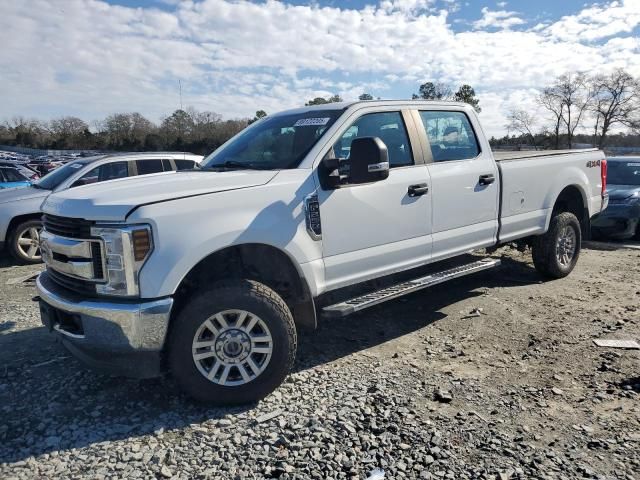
(598, 21)
(497, 19)
(88, 58)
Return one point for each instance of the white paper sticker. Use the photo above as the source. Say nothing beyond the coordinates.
(309, 122)
(633, 164)
(76, 165)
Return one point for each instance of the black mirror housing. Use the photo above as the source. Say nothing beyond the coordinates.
(368, 160)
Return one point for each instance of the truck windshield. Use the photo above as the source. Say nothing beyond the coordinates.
(274, 143)
(624, 172)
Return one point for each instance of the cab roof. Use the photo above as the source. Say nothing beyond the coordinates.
(370, 103)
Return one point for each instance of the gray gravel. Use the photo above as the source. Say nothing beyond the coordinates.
(419, 388)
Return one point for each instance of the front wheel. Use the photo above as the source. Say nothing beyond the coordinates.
(232, 345)
(556, 252)
(24, 242)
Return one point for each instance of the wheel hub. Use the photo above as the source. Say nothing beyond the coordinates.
(233, 346)
(566, 246)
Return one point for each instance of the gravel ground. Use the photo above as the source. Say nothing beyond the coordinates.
(491, 376)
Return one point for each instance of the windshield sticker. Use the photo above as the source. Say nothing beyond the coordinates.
(310, 122)
(75, 165)
(633, 164)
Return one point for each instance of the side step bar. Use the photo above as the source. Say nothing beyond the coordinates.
(356, 304)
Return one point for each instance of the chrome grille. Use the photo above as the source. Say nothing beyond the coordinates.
(74, 259)
(77, 285)
(67, 227)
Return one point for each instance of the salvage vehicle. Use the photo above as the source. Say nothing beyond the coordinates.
(330, 209)
(20, 216)
(621, 219)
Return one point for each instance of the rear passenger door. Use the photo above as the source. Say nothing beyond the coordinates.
(464, 183)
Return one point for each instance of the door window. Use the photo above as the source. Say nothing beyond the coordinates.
(450, 136)
(166, 165)
(145, 167)
(12, 175)
(108, 171)
(389, 127)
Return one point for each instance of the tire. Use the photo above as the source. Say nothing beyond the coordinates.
(564, 236)
(20, 234)
(637, 235)
(231, 349)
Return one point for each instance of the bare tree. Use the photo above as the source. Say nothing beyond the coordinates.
(616, 101)
(551, 100)
(575, 93)
(523, 122)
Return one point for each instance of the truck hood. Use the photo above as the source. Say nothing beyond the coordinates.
(23, 193)
(622, 192)
(113, 200)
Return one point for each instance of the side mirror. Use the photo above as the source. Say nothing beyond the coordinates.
(368, 160)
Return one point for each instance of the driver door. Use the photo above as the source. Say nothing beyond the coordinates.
(379, 228)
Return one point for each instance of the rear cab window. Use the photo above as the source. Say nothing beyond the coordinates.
(450, 135)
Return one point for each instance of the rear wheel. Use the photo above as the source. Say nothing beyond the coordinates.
(24, 242)
(232, 345)
(556, 252)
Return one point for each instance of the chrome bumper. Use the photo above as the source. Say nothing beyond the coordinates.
(107, 334)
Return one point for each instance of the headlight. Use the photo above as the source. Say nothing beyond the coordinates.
(125, 250)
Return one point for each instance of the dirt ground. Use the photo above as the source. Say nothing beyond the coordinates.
(532, 396)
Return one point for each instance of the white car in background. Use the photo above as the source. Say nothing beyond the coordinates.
(20, 222)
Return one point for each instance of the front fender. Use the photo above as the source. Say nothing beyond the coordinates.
(186, 231)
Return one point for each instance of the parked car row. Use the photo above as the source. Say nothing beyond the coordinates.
(20, 223)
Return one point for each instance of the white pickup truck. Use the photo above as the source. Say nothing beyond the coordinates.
(209, 274)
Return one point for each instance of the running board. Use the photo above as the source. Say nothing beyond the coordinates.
(356, 304)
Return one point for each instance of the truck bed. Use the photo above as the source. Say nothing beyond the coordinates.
(502, 155)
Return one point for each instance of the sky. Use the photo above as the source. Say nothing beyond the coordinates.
(92, 58)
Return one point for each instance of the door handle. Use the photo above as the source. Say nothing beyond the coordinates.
(487, 179)
(418, 189)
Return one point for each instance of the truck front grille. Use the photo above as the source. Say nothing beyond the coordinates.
(78, 285)
(67, 227)
(73, 257)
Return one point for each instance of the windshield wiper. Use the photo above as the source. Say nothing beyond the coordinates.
(234, 165)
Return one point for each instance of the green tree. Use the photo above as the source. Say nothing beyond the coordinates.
(321, 101)
(467, 94)
(259, 114)
(433, 91)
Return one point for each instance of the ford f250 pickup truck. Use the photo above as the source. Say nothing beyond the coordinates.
(209, 274)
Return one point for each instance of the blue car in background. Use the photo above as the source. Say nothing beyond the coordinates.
(12, 177)
(621, 219)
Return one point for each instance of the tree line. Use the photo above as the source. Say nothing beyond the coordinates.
(577, 102)
(573, 102)
(183, 130)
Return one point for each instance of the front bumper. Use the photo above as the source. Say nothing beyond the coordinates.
(118, 337)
